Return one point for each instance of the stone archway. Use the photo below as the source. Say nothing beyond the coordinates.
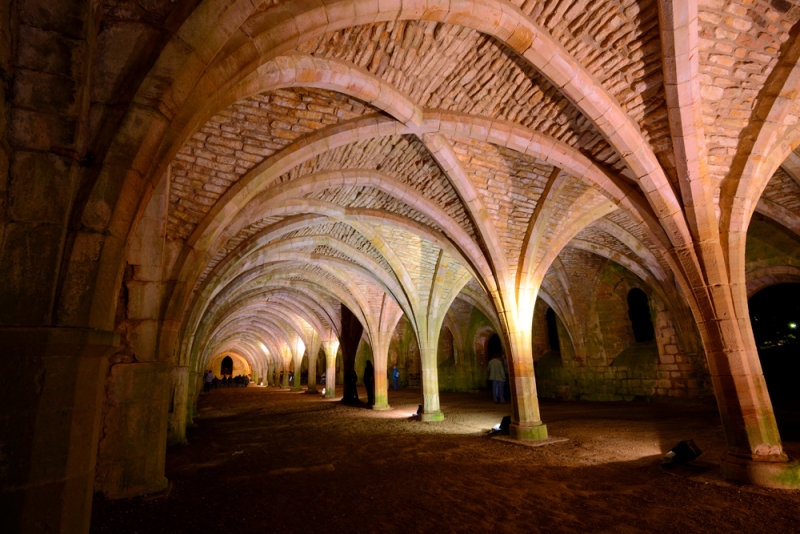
(238, 365)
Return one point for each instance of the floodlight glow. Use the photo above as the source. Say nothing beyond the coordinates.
(792, 325)
(299, 346)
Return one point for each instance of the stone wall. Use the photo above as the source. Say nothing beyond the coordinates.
(611, 364)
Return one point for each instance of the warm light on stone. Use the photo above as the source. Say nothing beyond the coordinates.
(188, 182)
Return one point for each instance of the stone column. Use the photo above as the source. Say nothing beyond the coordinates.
(330, 348)
(526, 422)
(428, 346)
(313, 353)
(176, 428)
(52, 398)
(755, 452)
(285, 369)
(380, 356)
(298, 348)
(269, 379)
(349, 339)
(132, 451)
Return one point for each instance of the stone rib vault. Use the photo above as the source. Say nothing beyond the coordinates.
(185, 180)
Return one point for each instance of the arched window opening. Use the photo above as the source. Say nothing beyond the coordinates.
(552, 330)
(775, 317)
(639, 314)
(226, 368)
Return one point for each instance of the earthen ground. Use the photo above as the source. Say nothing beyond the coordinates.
(263, 460)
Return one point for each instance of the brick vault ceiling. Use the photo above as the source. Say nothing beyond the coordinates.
(342, 181)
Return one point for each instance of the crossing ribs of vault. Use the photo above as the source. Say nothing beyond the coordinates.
(402, 157)
(449, 67)
(606, 241)
(344, 233)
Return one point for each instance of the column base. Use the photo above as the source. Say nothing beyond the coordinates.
(312, 391)
(772, 472)
(329, 395)
(527, 431)
(297, 388)
(431, 416)
(381, 406)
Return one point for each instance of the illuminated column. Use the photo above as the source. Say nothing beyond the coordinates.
(526, 422)
(380, 355)
(274, 374)
(266, 367)
(330, 348)
(298, 348)
(313, 352)
(428, 345)
(286, 357)
(755, 451)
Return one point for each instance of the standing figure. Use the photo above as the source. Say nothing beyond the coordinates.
(369, 382)
(498, 377)
(395, 377)
(207, 380)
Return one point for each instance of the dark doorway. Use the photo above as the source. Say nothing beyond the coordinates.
(775, 317)
(494, 347)
(639, 314)
(226, 367)
(552, 330)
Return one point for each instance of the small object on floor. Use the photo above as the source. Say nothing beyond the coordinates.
(501, 427)
(682, 453)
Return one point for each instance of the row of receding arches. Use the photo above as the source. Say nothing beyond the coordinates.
(774, 311)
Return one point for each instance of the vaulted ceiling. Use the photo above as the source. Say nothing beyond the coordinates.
(344, 153)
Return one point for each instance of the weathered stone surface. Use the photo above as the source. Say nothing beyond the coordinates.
(134, 428)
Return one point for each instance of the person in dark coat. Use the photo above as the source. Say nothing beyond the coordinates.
(369, 383)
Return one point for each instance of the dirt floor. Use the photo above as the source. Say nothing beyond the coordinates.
(264, 460)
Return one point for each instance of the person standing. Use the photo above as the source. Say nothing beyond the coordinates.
(207, 380)
(498, 377)
(396, 377)
(369, 382)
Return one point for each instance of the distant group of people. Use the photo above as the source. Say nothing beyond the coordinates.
(227, 381)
